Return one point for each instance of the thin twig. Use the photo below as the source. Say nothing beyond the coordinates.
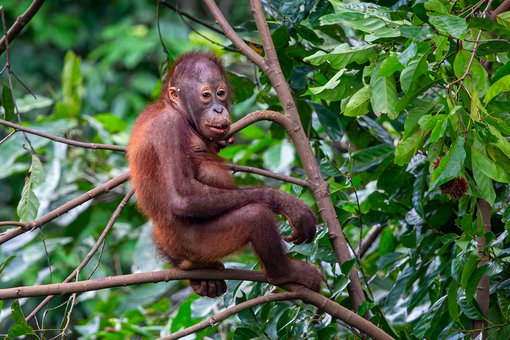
(204, 23)
(7, 137)
(369, 239)
(92, 146)
(18, 25)
(106, 187)
(9, 78)
(267, 173)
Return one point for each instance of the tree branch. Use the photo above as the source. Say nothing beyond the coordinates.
(92, 146)
(254, 117)
(114, 182)
(302, 293)
(20, 22)
(90, 254)
(270, 174)
(505, 6)
(482, 293)
(129, 279)
(369, 239)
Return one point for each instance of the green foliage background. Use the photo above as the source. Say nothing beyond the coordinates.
(397, 100)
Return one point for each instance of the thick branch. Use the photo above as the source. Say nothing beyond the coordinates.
(308, 296)
(339, 312)
(20, 22)
(93, 146)
(11, 233)
(505, 6)
(229, 312)
(232, 35)
(91, 253)
(129, 279)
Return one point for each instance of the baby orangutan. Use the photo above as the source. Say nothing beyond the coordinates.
(182, 184)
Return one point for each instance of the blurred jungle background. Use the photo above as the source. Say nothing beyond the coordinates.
(406, 107)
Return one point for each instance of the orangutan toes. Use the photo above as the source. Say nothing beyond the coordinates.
(209, 288)
(301, 273)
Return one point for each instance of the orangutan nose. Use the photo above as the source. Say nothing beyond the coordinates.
(218, 108)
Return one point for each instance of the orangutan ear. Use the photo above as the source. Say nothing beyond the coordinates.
(173, 94)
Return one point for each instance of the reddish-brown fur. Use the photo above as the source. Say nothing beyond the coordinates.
(199, 215)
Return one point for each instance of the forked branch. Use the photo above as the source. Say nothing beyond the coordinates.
(292, 124)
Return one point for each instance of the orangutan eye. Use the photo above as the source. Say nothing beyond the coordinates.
(206, 95)
(220, 93)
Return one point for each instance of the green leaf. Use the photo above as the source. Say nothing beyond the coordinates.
(7, 104)
(409, 76)
(330, 85)
(6, 262)
(280, 36)
(470, 309)
(417, 33)
(28, 205)
(72, 87)
(472, 284)
(483, 182)
(243, 87)
(358, 103)
(453, 307)
(183, 318)
(111, 123)
(504, 303)
(37, 170)
(390, 65)
(479, 78)
(377, 26)
(20, 327)
(500, 86)
(329, 120)
(486, 165)
(450, 166)
(308, 34)
(501, 72)
(450, 25)
(467, 270)
(242, 333)
(504, 19)
(418, 191)
(347, 266)
(406, 149)
(279, 157)
(371, 156)
(387, 242)
(439, 129)
(342, 56)
(425, 322)
(384, 96)
(436, 6)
